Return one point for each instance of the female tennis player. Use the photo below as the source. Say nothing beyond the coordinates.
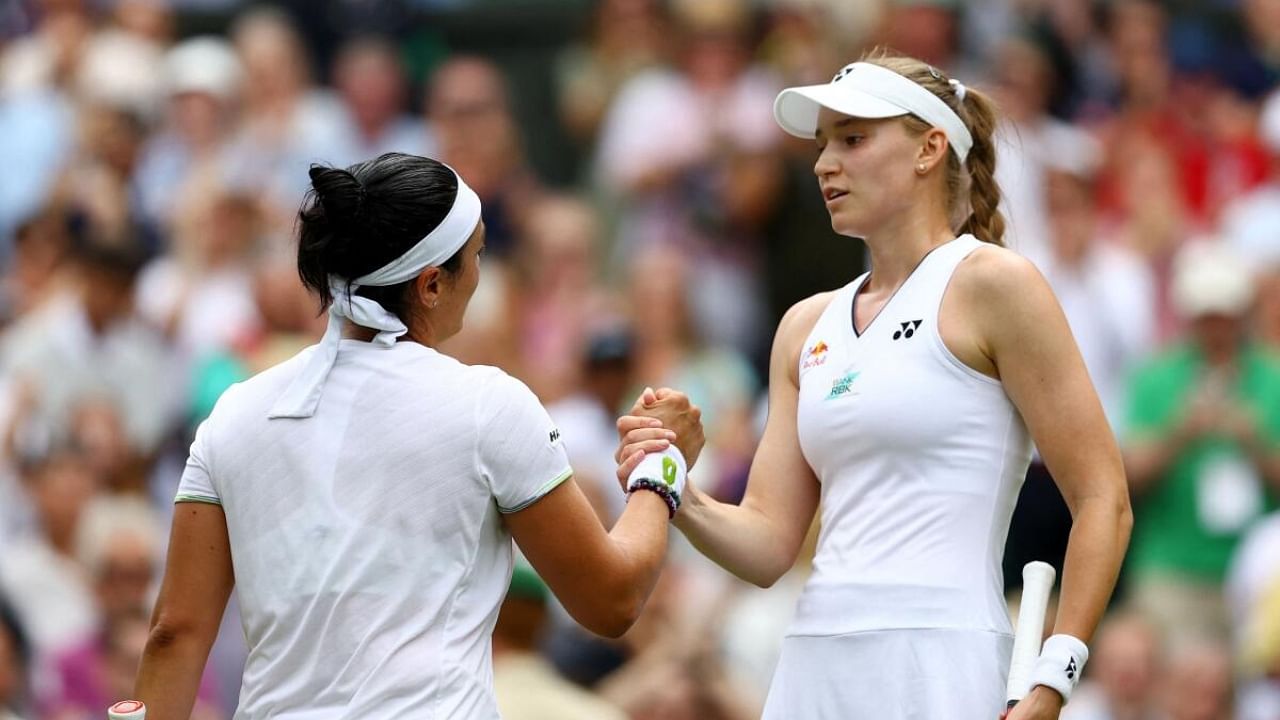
(906, 403)
(362, 496)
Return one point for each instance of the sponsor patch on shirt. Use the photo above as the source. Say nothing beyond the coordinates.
(842, 385)
(814, 356)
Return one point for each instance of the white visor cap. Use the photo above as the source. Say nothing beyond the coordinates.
(865, 90)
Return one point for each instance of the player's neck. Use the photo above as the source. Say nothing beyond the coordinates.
(897, 249)
(418, 332)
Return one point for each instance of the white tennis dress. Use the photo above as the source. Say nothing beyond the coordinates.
(920, 459)
(369, 550)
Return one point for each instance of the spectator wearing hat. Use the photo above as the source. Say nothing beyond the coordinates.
(1203, 450)
(527, 685)
(185, 157)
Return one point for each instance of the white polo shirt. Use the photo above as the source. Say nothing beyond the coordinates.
(369, 549)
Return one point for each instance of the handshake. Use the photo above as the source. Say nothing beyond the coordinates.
(658, 420)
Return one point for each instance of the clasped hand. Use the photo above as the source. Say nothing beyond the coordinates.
(658, 419)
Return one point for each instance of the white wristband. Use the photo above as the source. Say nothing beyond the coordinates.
(667, 467)
(1061, 661)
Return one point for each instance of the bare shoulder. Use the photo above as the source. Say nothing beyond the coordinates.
(997, 274)
(794, 327)
(801, 317)
(1004, 301)
(997, 283)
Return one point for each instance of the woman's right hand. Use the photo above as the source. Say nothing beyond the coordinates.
(656, 420)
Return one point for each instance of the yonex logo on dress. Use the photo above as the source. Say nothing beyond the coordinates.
(842, 385)
(908, 329)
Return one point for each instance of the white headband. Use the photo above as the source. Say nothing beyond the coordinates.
(303, 394)
(866, 90)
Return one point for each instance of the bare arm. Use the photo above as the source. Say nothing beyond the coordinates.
(602, 579)
(1024, 332)
(193, 596)
(759, 539)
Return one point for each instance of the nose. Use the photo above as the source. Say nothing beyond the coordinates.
(826, 164)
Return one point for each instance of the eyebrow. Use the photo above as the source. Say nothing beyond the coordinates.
(844, 122)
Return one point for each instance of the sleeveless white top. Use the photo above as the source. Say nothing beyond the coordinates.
(920, 458)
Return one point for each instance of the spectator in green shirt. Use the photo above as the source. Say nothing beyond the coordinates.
(1203, 450)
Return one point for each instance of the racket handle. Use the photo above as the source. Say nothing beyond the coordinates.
(1037, 583)
(127, 710)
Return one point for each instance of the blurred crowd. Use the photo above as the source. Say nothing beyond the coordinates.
(647, 225)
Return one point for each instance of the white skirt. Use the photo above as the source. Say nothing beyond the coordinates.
(926, 674)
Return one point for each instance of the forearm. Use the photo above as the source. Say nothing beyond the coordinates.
(640, 541)
(1095, 550)
(169, 675)
(738, 538)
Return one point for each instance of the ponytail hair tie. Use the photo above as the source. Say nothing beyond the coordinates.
(960, 89)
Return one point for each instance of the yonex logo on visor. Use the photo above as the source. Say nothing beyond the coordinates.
(867, 90)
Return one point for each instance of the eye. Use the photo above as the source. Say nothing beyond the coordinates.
(852, 140)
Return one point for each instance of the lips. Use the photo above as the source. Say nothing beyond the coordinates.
(832, 194)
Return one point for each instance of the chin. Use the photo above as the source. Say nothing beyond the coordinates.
(848, 229)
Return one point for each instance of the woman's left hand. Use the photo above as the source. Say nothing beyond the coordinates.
(1041, 703)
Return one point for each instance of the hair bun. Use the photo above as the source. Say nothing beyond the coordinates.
(340, 193)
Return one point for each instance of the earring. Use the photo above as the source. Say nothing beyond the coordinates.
(920, 168)
(432, 305)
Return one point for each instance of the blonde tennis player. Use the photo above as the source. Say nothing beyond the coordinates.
(905, 404)
(362, 496)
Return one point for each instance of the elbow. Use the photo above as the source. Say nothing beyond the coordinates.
(164, 636)
(1124, 520)
(772, 567)
(765, 578)
(613, 614)
(168, 634)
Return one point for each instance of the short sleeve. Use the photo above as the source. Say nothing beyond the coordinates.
(197, 478)
(521, 456)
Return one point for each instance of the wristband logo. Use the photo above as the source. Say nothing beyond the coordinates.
(1071, 669)
(669, 471)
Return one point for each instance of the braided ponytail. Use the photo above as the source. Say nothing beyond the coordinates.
(985, 221)
(971, 187)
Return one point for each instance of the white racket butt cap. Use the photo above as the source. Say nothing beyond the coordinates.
(127, 710)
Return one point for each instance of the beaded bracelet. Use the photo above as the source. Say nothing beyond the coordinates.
(669, 496)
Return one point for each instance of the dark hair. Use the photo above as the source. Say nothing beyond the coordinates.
(354, 221)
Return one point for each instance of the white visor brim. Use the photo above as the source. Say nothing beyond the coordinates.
(796, 109)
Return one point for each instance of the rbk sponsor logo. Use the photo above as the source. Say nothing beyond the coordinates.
(842, 385)
(814, 356)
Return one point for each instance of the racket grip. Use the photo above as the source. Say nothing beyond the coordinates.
(1037, 583)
